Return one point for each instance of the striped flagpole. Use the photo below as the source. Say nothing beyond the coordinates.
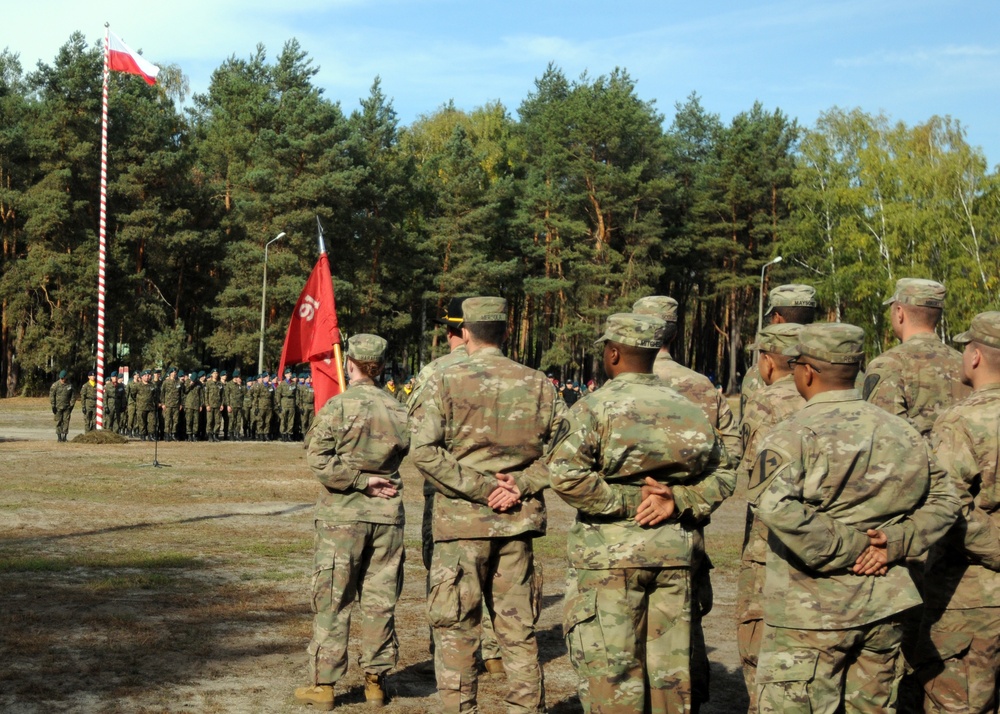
(102, 253)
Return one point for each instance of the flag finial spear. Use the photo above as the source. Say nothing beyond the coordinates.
(322, 245)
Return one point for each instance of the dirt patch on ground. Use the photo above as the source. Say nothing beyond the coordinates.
(132, 587)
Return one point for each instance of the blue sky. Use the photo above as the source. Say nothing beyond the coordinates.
(910, 60)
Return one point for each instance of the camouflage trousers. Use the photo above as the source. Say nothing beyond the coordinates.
(488, 647)
(110, 417)
(146, 421)
(264, 422)
(89, 419)
(355, 562)
(236, 424)
(750, 622)
(306, 420)
(960, 660)
(286, 420)
(853, 670)
(628, 632)
(464, 575)
(191, 423)
(61, 418)
(213, 420)
(130, 416)
(170, 419)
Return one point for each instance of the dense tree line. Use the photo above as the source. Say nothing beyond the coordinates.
(583, 203)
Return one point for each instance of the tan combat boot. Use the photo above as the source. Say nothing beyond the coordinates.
(375, 689)
(319, 697)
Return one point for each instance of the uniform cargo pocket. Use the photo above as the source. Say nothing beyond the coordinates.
(444, 597)
(787, 666)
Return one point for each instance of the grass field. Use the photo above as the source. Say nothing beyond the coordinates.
(133, 588)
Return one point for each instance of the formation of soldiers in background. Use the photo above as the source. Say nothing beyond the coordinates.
(208, 405)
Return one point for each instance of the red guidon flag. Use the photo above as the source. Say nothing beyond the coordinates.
(123, 59)
(313, 332)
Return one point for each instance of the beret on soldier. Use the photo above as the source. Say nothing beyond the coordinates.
(223, 373)
(917, 291)
(366, 348)
(628, 328)
(834, 342)
(114, 374)
(484, 309)
(172, 370)
(777, 338)
(791, 295)
(62, 374)
(659, 306)
(181, 373)
(236, 372)
(985, 329)
(201, 373)
(453, 312)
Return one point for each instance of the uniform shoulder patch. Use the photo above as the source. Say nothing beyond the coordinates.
(767, 465)
(871, 381)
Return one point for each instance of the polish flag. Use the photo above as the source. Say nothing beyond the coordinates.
(123, 59)
(313, 331)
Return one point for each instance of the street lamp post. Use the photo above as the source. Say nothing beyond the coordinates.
(263, 300)
(760, 304)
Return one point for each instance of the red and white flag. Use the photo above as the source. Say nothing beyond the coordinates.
(122, 58)
(313, 332)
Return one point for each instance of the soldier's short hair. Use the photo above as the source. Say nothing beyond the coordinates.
(488, 333)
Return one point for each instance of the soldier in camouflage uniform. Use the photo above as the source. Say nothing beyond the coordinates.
(698, 389)
(959, 653)
(485, 421)
(643, 467)
(285, 397)
(88, 401)
(846, 492)
(249, 408)
(194, 405)
(786, 303)
(765, 408)
(146, 399)
(233, 399)
(489, 650)
(306, 397)
(354, 449)
(213, 406)
(131, 390)
(62, 397)
(264, 406)
(170, 401)
(114, 400)
(921, 377)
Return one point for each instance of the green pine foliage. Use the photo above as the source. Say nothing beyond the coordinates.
(572, 208)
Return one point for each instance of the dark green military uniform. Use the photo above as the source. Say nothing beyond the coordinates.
(131, 390)
(194, 405)
(88, 402)
(285, 400)
(213, 406)
(265, 407)
(171, 397)
(233, 398)
(62, 396)
(146, 400)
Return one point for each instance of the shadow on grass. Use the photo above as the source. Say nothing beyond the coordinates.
(155, 524)
(112, 632)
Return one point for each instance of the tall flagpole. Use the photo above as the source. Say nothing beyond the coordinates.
(102, 252)
(338, 357)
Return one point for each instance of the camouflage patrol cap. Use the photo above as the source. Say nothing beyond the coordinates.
(985, 329)
(777, 338)
(453, 312)
(366, 348)
(791, 295)
(484, 309)
(917, 291)
(659, 306)
(834, 342)
(628, 328)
